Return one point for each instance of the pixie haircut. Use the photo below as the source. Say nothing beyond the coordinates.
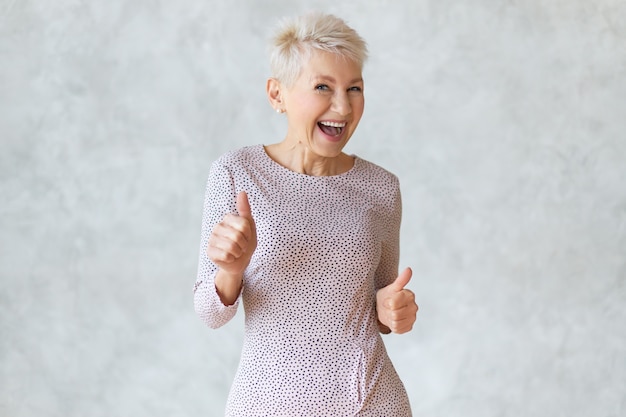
(297, 38)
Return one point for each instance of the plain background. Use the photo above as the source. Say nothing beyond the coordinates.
(504, 120)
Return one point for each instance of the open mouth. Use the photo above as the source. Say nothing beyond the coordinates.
(332, 128)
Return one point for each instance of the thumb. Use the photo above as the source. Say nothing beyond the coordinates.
(402, 280)
(243, 205)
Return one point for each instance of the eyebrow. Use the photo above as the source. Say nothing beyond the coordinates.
(331, 79)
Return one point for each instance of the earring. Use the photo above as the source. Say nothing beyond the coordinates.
(278, 111)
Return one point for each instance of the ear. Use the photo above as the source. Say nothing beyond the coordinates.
(274, 91)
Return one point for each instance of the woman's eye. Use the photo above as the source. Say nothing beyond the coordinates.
(357, 89)
(321, 87)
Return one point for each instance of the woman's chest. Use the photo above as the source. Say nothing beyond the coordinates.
(331, 224)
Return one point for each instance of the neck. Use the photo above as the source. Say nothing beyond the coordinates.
(299, 158)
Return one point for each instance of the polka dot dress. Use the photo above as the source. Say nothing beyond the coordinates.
(325, 245)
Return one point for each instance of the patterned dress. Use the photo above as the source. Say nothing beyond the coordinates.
(325, 245)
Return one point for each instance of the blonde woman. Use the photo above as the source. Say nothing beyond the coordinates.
(307, 237)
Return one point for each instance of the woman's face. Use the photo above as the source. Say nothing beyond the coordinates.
(325, 104)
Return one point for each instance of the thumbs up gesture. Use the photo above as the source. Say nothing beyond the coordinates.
(231, 245)
(396, 305)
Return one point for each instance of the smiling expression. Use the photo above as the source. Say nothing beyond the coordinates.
(325, 104)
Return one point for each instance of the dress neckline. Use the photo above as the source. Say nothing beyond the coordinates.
(271, 162)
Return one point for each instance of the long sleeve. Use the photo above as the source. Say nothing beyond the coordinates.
(219, 200)
(387, 270)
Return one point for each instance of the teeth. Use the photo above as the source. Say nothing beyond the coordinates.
(333, 124)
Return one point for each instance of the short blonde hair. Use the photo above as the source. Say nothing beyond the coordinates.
(298, 37)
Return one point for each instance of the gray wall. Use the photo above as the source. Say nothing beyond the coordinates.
(503, 119)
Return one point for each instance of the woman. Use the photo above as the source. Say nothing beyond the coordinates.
(307, 236)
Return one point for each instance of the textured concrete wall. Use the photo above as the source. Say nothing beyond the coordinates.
(505, 121)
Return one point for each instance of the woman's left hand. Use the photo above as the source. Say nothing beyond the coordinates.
(396, 305)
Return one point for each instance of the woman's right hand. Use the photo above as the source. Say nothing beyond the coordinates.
(231, 245)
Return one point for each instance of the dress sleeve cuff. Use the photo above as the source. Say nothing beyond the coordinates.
(209, 306)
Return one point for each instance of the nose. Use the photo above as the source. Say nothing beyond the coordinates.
(341, 104)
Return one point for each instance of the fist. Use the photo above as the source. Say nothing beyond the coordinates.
(396, 305)
(233, 240)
